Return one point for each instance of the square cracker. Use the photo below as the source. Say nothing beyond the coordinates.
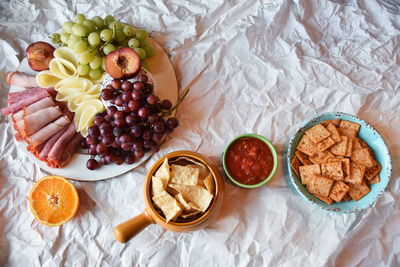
(340, 148)
(318, 133)
(335, 122)
(356, 174)
(362, 142)
(356, 144)
(325, 144)
(306, 146)
(350, 125)
(338, 191)
(307, 171)
(347, 197)
(320, 185)
(363, 157)
(187, 175)
(347, 132)
(295, 165)
(332, 170)
(375, 180)
(302, 157)
(334, 133)
(345, 165)
(327, 200)
(358, 191)
(349, 149)
(322, 157)
(372, 172)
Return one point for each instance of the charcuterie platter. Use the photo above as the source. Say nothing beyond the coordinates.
(163, 76)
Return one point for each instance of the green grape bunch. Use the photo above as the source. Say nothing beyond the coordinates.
(93, 39)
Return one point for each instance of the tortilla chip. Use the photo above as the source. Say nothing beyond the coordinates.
(158, 185)
(193, 213)
(363, 157)
(295, 165)
(341, 147)
(168, 205)
(196, 194)
(320, 185)
(318, 133)
(209, 183)
(332, 170)
(306, 146)
(327, 200)
(335, 122)
(325, 144)
(374, 180)
(358, 191)
(302, 157)
(350, 125)
(338, 191)
(187, 175)
(356, 174)
(164, 171)
(321, 157)
(307, 171)
(203, 170)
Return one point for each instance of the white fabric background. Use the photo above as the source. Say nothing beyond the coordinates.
(252, 66)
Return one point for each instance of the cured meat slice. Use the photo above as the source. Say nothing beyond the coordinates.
(35, 121)
(69, 150)
(28, 100)
(18, 137)
(21, 79)
(39, 105)
(15, 97)
(19, 126)
(50, 143)
(35, 150)
(58, 148)
(46, 132)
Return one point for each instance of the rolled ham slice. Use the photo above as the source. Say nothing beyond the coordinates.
(35, 121)
(58, 148)
(35, 150)
(48, 145)
(21, 79)
(28, 100)
(69, 150)
(46, 132)
(19, 126)
(32, 108)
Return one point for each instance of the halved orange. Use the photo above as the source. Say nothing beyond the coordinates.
(53, 200)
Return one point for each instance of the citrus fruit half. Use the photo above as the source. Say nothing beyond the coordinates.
(53, 200)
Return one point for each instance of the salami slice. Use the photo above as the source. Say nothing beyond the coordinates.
(28, 100)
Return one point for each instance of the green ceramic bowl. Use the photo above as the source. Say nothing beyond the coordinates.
(273, 151)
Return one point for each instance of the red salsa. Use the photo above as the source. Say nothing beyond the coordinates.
(249, 160)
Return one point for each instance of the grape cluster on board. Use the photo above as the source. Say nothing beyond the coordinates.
(93, 39)
(126, 134)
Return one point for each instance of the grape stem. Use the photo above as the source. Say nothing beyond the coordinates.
(169, 112)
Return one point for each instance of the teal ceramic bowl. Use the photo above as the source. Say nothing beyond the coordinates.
(273, 151)
(374, 141)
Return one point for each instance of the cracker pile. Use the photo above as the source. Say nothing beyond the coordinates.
(183, 190)
(334, 163)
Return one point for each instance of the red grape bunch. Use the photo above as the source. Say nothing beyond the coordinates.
(126, 134)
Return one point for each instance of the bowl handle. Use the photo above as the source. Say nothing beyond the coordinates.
(125, 231)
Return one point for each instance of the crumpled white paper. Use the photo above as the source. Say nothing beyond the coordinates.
(252, 66)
